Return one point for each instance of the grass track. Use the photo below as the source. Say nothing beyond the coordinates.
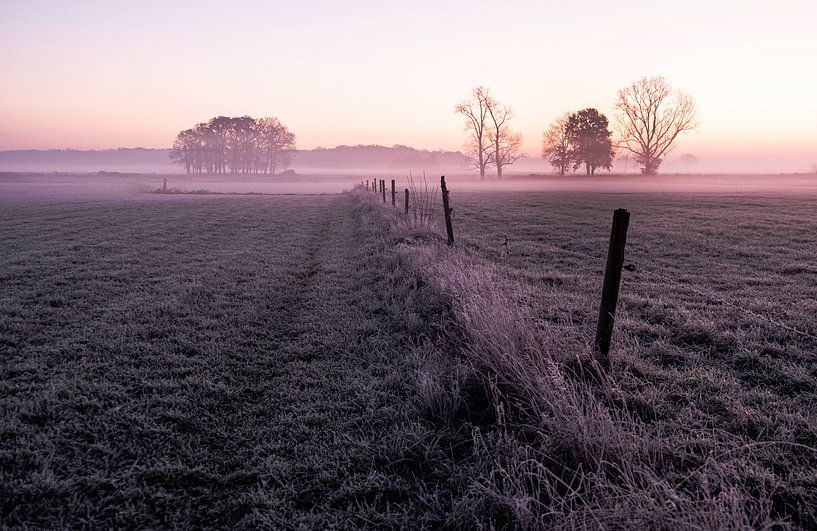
(205, 362)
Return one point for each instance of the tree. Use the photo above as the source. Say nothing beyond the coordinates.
(651, 116)
(556, 146)
(240, 142)
(814, 168)
(276, 143)
(240, 145)
(475, 110)
(184, 150)
(590, 140)
(505, 144)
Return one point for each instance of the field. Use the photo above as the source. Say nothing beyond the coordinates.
(315, 361)
(200, 362)
(700, 373)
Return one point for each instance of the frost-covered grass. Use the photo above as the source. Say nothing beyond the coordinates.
(206, 362)
(219, 361)
(707, 419)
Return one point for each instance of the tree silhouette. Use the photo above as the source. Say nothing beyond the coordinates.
(237, 145)
(556, 146)
(505, 144)
(476, 110)
(590, 140)
(277, 144)
(651, 116)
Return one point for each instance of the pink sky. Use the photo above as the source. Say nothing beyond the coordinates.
(107, 74)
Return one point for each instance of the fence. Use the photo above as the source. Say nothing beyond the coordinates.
(614, 265)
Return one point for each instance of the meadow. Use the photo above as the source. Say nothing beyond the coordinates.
(707, 418)
(205, 361)
(323, 361)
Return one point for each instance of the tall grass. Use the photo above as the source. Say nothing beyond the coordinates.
(423, 201)
(556, 447)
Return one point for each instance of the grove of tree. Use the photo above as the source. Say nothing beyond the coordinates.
(235, 145)
(579, 138)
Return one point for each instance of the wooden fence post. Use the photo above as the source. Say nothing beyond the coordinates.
(367, 185)
(612, 281)
(393, 194)
(447, 210)
(383, 189)
(407, 194)
(164, 186)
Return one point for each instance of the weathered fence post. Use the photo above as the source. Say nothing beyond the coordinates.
(164, 186)
(407, 194)
(367, 185)
(383, 189)
(612, 281)
(447, 210)
(393, 194)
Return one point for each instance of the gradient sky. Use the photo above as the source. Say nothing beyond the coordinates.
(105, 74)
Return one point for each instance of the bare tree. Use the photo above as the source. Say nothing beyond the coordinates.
(475, 110)
(556, 146)
(814, 168)
(505, 144)
(651, 116)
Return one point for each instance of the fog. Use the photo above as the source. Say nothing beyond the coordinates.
(114, 186)
(391, 160)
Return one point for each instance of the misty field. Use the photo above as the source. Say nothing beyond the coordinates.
(314, 361)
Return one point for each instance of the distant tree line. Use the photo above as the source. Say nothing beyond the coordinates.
(235, 145)
(649, 118)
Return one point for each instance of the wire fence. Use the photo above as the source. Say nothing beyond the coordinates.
(644, 268)
(650, 270)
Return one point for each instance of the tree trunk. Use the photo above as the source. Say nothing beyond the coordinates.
(651, 165)
(481, 165)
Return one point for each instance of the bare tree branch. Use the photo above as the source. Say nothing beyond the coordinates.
(651, 116)
(475, 110)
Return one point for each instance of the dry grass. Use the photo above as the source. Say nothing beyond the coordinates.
(714, 432)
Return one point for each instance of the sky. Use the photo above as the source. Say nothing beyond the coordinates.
(91, 75)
